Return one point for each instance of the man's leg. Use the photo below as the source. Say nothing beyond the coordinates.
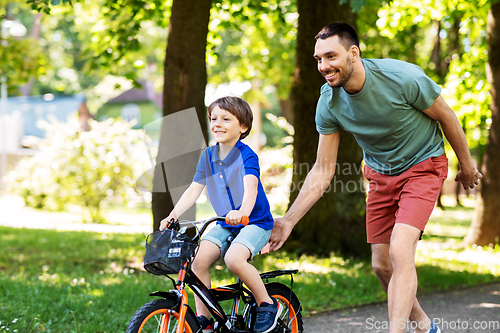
(402, 288)
(381, 262)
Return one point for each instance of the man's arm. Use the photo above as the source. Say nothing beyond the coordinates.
(316, 183)
(468, 175)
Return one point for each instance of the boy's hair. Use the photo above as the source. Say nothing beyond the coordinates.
(347, 34)
(238, 107)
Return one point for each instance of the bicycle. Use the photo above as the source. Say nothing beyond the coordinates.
(172, 251)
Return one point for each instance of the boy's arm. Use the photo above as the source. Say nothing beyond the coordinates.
(250, 188)
(187, 199)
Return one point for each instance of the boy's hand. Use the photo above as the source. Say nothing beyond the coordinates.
(234, 217)
(166, 221)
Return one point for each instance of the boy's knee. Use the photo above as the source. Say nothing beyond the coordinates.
(200, 263)
(197, 265)
(234, 261)
(231, 262)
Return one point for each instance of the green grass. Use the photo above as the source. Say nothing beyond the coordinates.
(55, 281)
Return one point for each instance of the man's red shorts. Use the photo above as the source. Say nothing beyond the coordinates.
(407, 198)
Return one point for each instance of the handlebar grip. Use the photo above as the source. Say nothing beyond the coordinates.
(244, 220)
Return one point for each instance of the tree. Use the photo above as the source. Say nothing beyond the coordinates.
(185, 78)
(336, 223)
(485, 228)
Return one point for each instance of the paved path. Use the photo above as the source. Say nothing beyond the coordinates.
(470, 310)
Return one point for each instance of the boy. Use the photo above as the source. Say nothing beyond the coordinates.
(230, 170)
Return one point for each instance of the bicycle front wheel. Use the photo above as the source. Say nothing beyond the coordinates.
(155, 317)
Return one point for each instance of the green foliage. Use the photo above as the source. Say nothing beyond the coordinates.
(20, 59)
(253, 40)
(46, 6)
(77, 167)
(448, 41)
(92, 39)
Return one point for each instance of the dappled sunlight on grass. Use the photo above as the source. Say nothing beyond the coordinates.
(94, 282)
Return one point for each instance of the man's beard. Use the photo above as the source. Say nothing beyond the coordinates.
(343, 79)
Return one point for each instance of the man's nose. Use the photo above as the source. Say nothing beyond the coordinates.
(323, 66)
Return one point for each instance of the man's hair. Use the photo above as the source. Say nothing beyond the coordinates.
(238, 107)
(347, 34)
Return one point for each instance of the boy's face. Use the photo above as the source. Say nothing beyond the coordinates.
(225, 127)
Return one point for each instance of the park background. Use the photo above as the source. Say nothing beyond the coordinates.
(125, 64)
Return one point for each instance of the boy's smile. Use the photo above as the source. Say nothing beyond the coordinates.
(225, 127)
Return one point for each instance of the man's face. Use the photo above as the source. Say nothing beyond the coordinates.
(334, 61)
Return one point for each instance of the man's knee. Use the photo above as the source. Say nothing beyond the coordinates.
(382, 268)
(381, 261)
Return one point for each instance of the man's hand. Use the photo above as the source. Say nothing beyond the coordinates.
(469, 179)
(281, 231)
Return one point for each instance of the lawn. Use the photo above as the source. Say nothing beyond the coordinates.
(62, 281)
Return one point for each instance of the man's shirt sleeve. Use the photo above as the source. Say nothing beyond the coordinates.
(326, 123)
(419, 90)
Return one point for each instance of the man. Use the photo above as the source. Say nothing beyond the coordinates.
(394, 111)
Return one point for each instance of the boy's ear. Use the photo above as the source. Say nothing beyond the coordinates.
(243, 129)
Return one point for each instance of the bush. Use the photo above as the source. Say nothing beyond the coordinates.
(78, 167)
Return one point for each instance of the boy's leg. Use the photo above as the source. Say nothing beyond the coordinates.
(207, 254)
(237, 261)
(248, 243)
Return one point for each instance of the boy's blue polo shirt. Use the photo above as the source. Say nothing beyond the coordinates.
(224, 181)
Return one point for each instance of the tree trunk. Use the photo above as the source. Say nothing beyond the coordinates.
(485, 228)
(336, 223)
(185, 78)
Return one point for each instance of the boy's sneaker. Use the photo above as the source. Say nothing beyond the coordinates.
(434, 328)
(207, 326)
(267, 316)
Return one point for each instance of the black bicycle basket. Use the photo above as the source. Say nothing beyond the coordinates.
(165, 251)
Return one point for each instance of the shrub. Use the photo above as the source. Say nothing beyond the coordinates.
(78, 167)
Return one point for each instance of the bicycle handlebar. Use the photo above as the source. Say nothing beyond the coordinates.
(244, 221)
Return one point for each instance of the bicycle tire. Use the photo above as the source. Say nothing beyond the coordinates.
(282, 294)
(149, 317)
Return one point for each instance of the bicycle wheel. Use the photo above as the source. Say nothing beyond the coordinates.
(291, 316)
(154, 315)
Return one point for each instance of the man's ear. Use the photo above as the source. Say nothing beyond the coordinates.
(354, 52)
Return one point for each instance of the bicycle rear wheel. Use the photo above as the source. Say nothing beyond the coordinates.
(290, 316)
(154, 317)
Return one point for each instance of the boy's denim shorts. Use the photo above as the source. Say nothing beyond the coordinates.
(252, 236)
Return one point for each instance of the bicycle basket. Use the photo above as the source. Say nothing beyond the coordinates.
(165, 251)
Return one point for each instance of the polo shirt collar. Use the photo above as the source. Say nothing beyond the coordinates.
(230, 158)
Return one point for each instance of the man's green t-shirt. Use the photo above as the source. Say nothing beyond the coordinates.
(386, 116)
